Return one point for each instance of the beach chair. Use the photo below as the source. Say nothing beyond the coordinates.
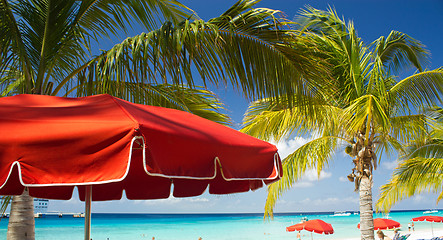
(434, 238)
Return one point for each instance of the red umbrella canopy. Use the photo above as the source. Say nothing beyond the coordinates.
(316, 225)
(383, 223)
(428, 218)
(52, 144)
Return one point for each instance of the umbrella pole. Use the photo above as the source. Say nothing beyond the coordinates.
(88, 199)
(312, 238)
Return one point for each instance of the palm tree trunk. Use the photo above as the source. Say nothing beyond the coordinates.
(21, 219)
(366, 214)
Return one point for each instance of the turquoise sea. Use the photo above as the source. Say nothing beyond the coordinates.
(207, 226)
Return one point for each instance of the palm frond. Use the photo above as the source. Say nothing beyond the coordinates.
(414, 176)
(345, 52)
(13, 49)
(399, 51)
(315, 154)
(365, 112)
(51, 38)
(420, 169)
(431, 150)
(101, 17)
(249, 51)
(5, 200)
(326, 23)
(420, 90)
(387, 144)
(405, 128)
(268, 119)
(435, 113)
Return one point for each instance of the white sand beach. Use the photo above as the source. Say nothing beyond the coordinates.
(438, 232)
(415, 235)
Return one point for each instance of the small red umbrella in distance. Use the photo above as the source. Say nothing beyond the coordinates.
(316, 225)
(429, 219)
(383, 224)
(104, 145)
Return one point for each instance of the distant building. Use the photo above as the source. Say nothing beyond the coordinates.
(40, 205)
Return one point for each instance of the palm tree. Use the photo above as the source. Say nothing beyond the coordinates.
(45, 49)
(365, 110)
(420, 167)
(45, 40)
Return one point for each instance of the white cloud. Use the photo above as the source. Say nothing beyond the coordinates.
(171, 201)
(288, 146)
(198, 200)
(329, 201)
(302, 184)
(312, 175)
(390, 165)
(343, 179)
(418, 199)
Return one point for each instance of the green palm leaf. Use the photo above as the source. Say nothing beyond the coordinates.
(420, 168)
(414, 176)
(246, 50)
(364, 104)
(398, 50)
(52, 38)
(420, 90)
(365, 112)
(268, 119)
(315, 154)
(405, 128)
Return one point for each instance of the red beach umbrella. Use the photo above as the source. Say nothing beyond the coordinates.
(431, 219)
(383, 224)
(103, 145)
(316, 225)
(428, 218)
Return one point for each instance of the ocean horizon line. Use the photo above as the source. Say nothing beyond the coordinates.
(253, 213)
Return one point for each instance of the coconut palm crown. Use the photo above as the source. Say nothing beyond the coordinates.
(46, 48)
(367, 110)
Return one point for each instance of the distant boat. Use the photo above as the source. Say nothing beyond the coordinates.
(341, 214)
(430, 211)
(356, 213)
(79, 215)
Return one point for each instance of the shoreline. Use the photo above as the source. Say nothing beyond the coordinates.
(215, 226)
(415, 235)
(254, 213)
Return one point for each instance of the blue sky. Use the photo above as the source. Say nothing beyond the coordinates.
(423, 20)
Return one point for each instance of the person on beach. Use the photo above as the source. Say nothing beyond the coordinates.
(298, 235)
(409, 227)
(382, 236)
(412, 224)
(396, 234)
